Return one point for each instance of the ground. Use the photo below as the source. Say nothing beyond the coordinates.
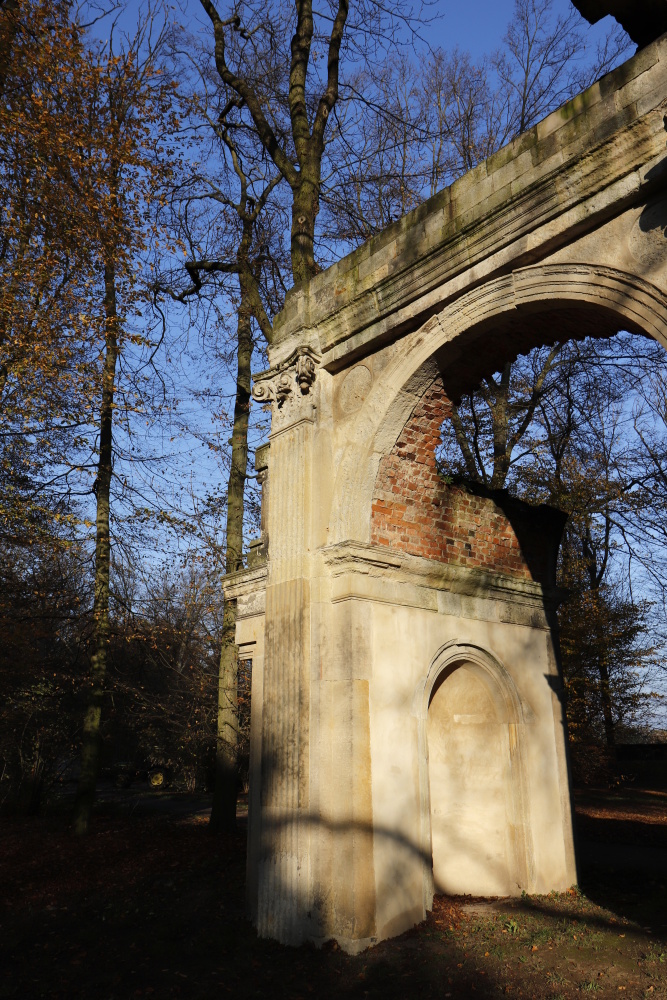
(151, 905)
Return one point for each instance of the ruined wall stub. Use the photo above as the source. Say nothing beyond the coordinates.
(381, 653)
(644, 21)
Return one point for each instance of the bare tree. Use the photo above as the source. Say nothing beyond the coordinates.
(269, 127)
(123, 96)
(545, 61)
(421, 125)
(289, 99)
(229, 220)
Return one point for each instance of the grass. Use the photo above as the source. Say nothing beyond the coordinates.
(152, 906)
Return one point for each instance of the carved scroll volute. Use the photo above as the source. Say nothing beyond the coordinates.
(273, 390)
(263, 392)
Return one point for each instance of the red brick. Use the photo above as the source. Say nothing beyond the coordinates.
(428, 518)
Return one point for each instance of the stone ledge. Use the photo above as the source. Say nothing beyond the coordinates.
(245, 582)
(391, 569)
(599, 136)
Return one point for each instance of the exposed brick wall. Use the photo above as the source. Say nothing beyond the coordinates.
(416, 512)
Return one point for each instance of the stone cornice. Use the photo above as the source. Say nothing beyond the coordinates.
(397, 568)
(603, 150)
(244, 582)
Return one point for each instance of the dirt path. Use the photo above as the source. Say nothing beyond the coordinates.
(152, 906)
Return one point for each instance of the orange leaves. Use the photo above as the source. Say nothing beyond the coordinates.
(77, 172)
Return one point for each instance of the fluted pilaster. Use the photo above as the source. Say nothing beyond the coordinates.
(283, 878)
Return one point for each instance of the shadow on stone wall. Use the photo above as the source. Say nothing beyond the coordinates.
(394, 879)
(538, 529)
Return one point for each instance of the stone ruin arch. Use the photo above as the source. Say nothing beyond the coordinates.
(604, 299)
(373, 578)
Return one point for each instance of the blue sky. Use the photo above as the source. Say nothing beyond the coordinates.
(479, 25)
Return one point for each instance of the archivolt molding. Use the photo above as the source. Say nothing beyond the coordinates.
(395, 393)
(639, 302)
(455, 654)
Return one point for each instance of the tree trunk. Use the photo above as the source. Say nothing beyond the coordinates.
(223, 813)
(595, 575)
(305, 208)
(605, 694)
(603, 674)
(90, 743)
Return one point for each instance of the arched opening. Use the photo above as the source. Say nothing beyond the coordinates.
(472, 336)
(468, 756)
(420, 506)
(478, 841)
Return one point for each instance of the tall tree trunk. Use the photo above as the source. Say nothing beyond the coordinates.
(90, 744)
(605, 694)
(595, 577)
(305, 209)
(223, 813)
(603, 673)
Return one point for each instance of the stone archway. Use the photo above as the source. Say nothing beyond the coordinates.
(567, 296)
(568, 224)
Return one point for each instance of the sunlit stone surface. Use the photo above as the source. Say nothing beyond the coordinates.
(407, 727)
